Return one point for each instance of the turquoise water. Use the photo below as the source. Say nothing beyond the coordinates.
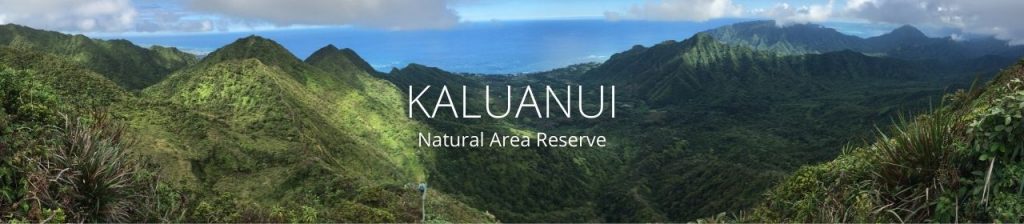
(478, 47)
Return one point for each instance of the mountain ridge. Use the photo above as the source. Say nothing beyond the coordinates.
(347, 58)
(254, 134)
(904, 42)
(127, 64)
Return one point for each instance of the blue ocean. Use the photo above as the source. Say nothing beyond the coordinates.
(498, 47)
(495, 47)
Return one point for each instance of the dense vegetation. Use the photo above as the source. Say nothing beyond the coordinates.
(105, 131)
(712, 115)
(959, 163)
(130, 66)
(228, 139)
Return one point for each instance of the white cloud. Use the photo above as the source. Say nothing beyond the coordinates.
(70, 15)
(999, 18)
(391, 14)
(683, 10)
(784, 14)
(153, 19)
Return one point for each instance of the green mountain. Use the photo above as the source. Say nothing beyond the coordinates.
(726, 114)
(82, 87)
(231, 138)
(905, 42)
(902, 36)
(709, 111)
(290, 132)
(330, 58)
(701, 65)
(128, 65)
(792, 39)
(724, 121)
(416, 74)
(713, 114)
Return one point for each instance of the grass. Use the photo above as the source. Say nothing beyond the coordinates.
(89, 173)
(903, 177)
(957, 163)
(917, 164)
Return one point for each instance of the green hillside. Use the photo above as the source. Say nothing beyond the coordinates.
(958, 163)
(229, 139)
(718, 125)
(290, 132)
(701, 66)
(725, 114)
(130, 66)
(708, 111)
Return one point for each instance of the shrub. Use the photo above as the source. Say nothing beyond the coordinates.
(996, 184)
(908, 175)
(26, 111)
(918, 163)
(88, 172)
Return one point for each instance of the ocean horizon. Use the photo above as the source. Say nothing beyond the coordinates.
(494, 47)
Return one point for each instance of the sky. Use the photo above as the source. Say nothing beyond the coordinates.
(998, 18)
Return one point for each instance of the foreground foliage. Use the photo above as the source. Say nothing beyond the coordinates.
(960, 163)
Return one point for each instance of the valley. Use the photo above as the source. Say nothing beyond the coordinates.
(716, 123)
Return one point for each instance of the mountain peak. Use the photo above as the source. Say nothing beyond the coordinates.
(325, 51)
(422, 74)
(905, 35)
(255, 40)
(329, 47)
(417, 67)
(256, 47)
(339, 59)
(699, 40)
(907, 31)
(419, 70)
